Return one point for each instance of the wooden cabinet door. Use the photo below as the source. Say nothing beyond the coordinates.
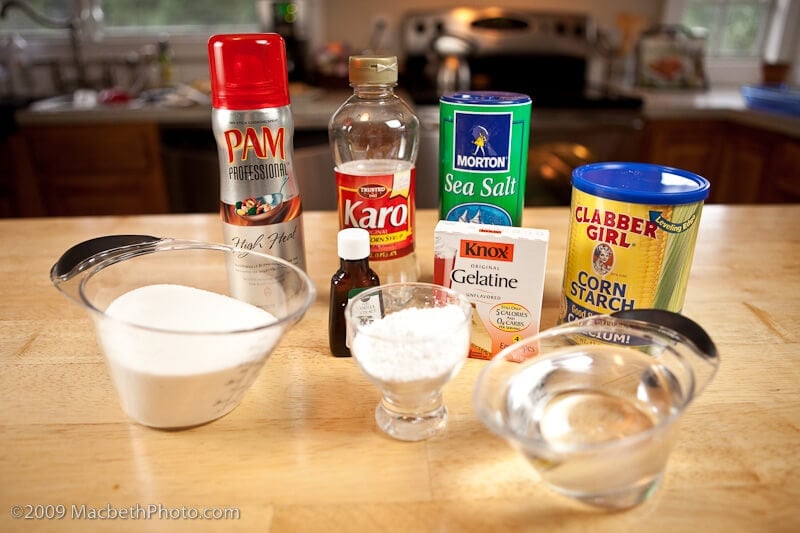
(782, 180)
(97, 169)
(744, 164)
(745, 157)
(692, 145)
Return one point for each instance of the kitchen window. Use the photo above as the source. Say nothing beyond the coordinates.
(741, 34)
(177, 15)
(116, 17)
(734, 27)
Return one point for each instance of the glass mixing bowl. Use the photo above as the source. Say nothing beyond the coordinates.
(204, 321)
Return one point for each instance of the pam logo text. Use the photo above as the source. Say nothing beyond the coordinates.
(482, 141)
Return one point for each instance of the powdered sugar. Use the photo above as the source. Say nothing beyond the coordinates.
(170, 368)
(414, 344)
(181, 308)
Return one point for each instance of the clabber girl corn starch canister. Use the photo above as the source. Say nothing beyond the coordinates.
(631, 238)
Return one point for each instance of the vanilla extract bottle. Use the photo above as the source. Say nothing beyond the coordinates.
(353, 276)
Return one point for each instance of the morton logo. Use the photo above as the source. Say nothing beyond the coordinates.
(482, 141)
(492, 251)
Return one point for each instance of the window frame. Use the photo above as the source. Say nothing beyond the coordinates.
(779, 44)
(179, 29)
(84, 9)
(713, 49)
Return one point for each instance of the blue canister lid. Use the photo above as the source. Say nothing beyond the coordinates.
(641, 183)
(486, 98)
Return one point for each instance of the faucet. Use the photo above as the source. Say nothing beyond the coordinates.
(73, 24)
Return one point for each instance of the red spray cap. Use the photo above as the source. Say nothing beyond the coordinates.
(248, 71)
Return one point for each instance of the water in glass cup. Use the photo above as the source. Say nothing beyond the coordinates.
(580, 403)
(595, 413)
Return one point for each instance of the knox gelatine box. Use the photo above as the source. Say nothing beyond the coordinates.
(500, 269)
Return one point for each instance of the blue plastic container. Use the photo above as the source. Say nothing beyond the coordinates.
(782, 99)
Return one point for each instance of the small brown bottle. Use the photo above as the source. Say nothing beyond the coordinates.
(354, 275)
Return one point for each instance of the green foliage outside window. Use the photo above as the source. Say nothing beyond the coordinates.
(138, 13)
(742, 26)
(131, 14)
(735, 27)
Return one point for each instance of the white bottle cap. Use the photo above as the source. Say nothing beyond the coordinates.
(353, 243)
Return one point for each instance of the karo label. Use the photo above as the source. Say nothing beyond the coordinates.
(381, 204)
(482, 141)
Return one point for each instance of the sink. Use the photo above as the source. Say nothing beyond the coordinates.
(54, 103)
(181, 96)
(82, 99)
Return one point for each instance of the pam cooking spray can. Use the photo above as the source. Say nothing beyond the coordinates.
(483, 156)
(259, 192)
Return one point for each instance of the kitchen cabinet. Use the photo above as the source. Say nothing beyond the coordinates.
(8, 185)
(687, 144)
(784, 170)
(744, 164)
(90, 169)
(19, 192)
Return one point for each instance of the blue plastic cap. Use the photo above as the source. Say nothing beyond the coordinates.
(641, 183)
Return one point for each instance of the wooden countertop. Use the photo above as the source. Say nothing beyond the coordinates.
(302, 452)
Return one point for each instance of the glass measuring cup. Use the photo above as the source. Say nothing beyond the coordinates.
(409, 339)
(595, 414)
(183, 375)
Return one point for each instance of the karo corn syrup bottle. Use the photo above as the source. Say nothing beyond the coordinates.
(374, 137)
(252, 121)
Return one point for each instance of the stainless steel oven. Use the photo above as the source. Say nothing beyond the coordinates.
(543, 54)
(562, 140)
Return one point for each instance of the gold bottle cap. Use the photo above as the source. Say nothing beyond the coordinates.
(373, 69)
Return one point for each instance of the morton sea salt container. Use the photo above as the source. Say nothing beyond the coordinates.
(632, 233)
(483, 156)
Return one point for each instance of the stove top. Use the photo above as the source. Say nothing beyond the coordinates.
(542, 54)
